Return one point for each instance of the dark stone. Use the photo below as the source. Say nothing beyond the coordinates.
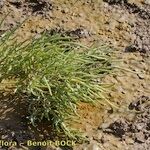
(130, 48)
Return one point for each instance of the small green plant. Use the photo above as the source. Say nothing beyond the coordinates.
(55, 73)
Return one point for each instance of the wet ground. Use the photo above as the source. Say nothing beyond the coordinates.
(121, 24)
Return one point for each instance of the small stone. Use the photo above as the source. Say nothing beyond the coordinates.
(81, 15)
(130, 117)
(65, 10)
(129, 140)
(130, 48)
(140, 126)
(16, 3)
(104, 125)
(98, 136)
(147, 2)
(104, 139)
(141, 76)
(106, 145)
(1, 3)
(53, 148)
(139, 137)
(93, 146)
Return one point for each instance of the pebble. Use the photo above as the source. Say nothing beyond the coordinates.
(98, 136)
(53, 148)
(141, 76)
(147, 2)
(105, 125)
(129, 140)
(139, 137)
(1, 3)
(92, 146)
(65, 10)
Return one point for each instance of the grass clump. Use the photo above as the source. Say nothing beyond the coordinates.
(55, 73)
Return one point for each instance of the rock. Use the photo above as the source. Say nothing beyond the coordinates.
(141, 76)
(139, 137)
(147, 2)
(16, 3)
(112, 2)
(104, 125)
(129, 140)
(2, 3)
(119, 127)
(65, 10)
(98, 136)
(130, 48)
(81, 15)
(140, 126)
(53, 148)
(79, 32)
(107, 145)
(40, 6)
(93, 146)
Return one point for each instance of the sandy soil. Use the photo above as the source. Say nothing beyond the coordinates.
(121, 24)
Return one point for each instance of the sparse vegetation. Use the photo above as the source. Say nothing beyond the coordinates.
(55, 73)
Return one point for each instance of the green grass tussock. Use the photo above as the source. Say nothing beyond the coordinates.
(55, 73)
